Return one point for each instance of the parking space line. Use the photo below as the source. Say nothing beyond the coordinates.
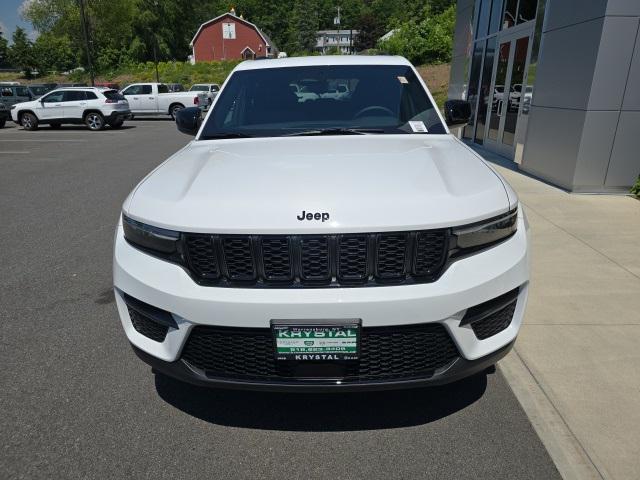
(12, 153)
(42, 140)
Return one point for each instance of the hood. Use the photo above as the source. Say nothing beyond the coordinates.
(361, 183)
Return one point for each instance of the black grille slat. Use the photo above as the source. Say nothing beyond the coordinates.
(238, 257)
(430, 252)
(353, 258)
(494, 323)
(276, 259)
(391, 251)
(315, 260)
(202, 256)
(315, 263)
(386, 353)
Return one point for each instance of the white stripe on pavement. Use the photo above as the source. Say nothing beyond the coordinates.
(41, 140)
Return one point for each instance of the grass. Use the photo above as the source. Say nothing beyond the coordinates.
(437, 79)
(169, 72)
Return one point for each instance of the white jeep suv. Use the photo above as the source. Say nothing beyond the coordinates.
(343, 242)
(94, 106)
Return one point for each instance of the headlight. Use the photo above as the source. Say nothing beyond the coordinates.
(150, 238)
(486, 233)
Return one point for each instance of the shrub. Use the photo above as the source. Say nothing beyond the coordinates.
(426, 41)
(636, 188)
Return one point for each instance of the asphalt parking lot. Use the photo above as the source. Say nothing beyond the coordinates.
(77, 403)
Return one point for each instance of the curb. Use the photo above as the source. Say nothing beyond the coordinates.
(568, 454)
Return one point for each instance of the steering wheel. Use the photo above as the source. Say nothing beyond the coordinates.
(374, 107)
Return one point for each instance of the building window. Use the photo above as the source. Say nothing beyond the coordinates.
(527, 10)
(510, 13)
(518, 11)
(496, 16)
(483, 18)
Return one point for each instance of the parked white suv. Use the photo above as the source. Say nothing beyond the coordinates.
(332, 243)
(93, 106)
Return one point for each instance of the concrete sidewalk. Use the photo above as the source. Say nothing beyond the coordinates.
(576, 364)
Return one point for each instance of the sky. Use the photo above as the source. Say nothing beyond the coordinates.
(10, 18)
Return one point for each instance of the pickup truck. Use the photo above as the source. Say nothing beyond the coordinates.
(155, 99)
(4, 114)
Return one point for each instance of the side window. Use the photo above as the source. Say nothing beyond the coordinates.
(145, 90)
(7, 92)
(22, 92)
(132, 90)
(73, 96)
(161, 89)
(91, 96)
(54, 97)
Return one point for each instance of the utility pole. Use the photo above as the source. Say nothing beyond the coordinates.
(155, 58)
(85, 31)
(155, 44)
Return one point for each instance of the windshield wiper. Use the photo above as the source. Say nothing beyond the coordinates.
(335, 131)
(222, 135)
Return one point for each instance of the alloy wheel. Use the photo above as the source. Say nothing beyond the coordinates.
(94, 121)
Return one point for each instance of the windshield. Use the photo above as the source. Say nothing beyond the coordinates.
(40, 90)
(386, 99)
(113, 95)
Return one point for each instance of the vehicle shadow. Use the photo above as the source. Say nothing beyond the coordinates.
(149, 118)
(82, 127)
(330, 412)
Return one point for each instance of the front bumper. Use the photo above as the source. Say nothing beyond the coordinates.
(466, 283)
(460, 369)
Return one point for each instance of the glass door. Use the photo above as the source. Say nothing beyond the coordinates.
(506, 94)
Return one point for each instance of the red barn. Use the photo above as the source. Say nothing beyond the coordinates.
(229, 37)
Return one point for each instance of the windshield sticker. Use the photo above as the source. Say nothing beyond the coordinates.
(403, 79)
(417, 127)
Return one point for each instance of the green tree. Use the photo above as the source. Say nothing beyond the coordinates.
(305, 26)
(426, 41)
(370, 29)
(54, 53)
(4, 51)
(21, 54)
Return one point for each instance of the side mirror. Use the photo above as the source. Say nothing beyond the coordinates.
(188, 120)
(457, 113)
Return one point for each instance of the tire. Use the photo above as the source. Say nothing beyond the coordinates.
(175, 109)
(116, 124)
(29, 121)
(2, 122)
(55, 126)
(94, 121)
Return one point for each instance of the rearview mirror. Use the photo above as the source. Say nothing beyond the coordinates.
(188, 120)
(457, 113)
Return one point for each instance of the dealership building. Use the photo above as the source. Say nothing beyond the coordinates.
(554, 86)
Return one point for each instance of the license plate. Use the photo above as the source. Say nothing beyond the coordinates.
(316, 340)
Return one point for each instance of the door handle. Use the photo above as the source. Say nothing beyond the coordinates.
(135, 98)
(83, 103)
(500, 102)
(58, 105)
(151, 98)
